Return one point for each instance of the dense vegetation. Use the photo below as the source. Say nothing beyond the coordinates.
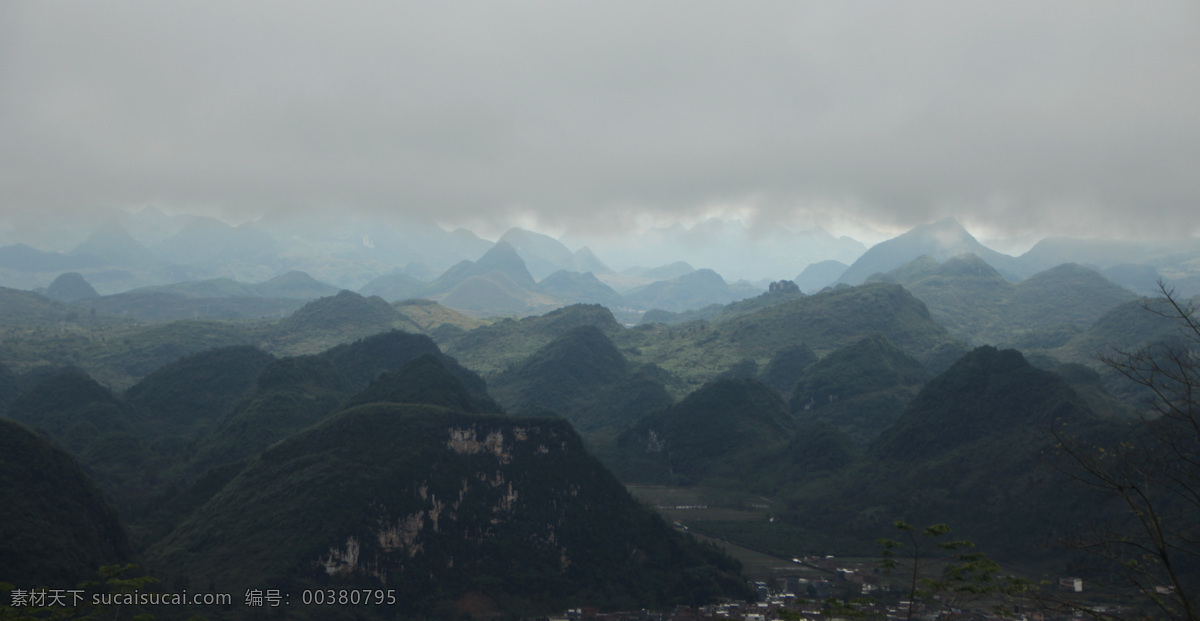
(55, 526)
(342, 446)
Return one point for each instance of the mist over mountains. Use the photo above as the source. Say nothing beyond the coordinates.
(202, 267)
(467, 420)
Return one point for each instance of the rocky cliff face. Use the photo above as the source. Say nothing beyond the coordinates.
(439, 504)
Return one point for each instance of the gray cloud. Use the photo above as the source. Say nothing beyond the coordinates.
(1015, 117)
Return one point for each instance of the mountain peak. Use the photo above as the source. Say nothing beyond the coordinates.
(984, 392)
(71, 287)
(941, 240)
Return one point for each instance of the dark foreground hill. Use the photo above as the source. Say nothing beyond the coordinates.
(969, 450)
(96, 427)
(55, 527)
(443, 507)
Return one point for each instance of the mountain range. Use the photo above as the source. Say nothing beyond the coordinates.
(476, 462)
(270, 264)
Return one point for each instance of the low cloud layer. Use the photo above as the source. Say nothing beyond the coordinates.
(1017, 118)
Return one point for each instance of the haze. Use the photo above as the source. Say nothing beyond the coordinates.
(592, 121)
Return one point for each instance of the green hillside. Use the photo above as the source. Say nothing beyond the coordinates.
(160, 306)
(97, 428)
(137, 353)
(777, 293)
(967, 449)
(861, 389)
(689, 291)
(443, 507)
(55, 527)
(70, 287)
(292, 394)
(366, 359)
(784, 368)
(425, 380)
(435, 319)
(979, 305)
(493, 348)
(834, 318)
(722, 432)
(10, 388)
(1126, 326)
(577, 288)
(333, 320)
(583, 377)
(186, 397)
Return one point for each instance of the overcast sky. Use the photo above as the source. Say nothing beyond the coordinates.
(1016, 117)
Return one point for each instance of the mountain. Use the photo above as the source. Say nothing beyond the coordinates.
(692, 290)
(501, 258)
(498, 283)
(291, 394)
(10, 388)
(185, 398)
(977, 304)
(695, 352)
(24, 258)
(365, 360)
(941, 240)
(1007, 394)
(426, 380)
(1126, 326)
(56, 529)
(1141, 279)
(584, 260)
(160, 306)
(1168, 255)
(70, 287)
(223, 287)
(336, 319)
(294, 284)
(1068, 293)
(111, 244)
(583, 377)
(777, 293)
(721, 431)
(817, 276)
(446, 508)
(839, 317)
(576, 288)
(860, 389)
(206, 240)
(145, 348)
(493, 348)
(216, 298)
(393, 287)
(969, 447)
(662, 272)
(439, 322)
(25, 308)
(97, 428)
(785, 367)
(964, 293)
(495, 293)
(542, 254)
(757, 252)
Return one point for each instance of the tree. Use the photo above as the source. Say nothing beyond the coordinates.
(1152, 472)
(966, 575)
